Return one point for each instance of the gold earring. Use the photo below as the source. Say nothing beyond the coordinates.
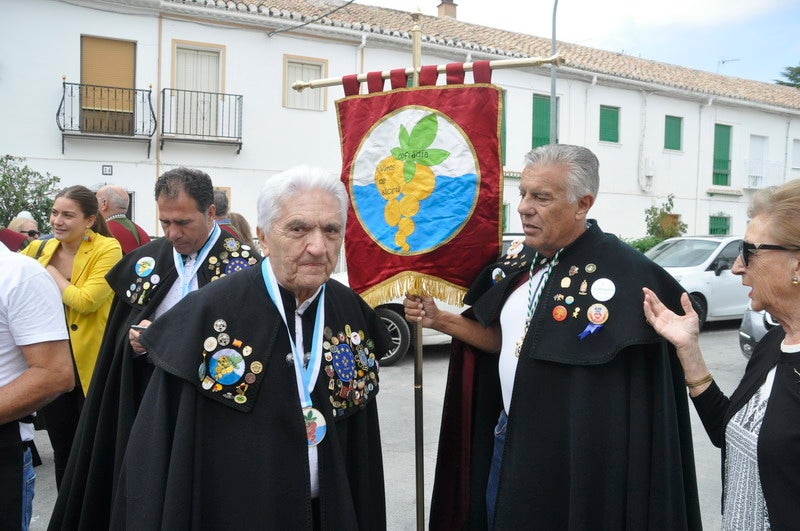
(795, 281)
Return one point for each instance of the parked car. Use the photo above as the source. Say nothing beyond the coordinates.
(754, 326)
(702, 265)
(393, 315)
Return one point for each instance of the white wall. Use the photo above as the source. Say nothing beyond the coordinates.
(42, 39)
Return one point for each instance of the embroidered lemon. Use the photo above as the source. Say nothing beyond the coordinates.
(405, 178)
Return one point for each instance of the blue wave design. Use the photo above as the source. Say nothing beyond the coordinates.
(439, 216)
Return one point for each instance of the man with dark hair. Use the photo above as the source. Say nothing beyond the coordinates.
(146, 283)
(222, 216)
(113, 203)
(574, 415)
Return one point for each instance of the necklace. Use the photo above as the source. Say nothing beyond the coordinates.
(534, 294)
(115, 216)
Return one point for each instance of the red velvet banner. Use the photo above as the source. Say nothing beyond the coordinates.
(424, 174)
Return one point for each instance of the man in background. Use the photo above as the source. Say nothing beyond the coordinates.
(35, 367)
(222, 215)
(113, 202)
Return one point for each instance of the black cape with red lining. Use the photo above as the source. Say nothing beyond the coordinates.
(199, 459)
(118, 383)
(599, 435)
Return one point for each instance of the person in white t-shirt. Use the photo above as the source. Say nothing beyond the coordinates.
(35, 367)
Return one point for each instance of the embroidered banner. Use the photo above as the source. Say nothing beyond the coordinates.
(423, 169)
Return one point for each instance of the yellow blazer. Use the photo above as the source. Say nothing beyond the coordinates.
(88, 299)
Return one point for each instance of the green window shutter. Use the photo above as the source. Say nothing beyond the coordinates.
(719, 225)
(541, 121)
(503, 129)
(672, 132)
(722, 155)
(609, 124)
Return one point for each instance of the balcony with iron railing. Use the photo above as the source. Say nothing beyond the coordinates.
(106, 113)
(196, 116)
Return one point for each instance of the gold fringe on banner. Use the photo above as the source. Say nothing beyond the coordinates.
(415, 283)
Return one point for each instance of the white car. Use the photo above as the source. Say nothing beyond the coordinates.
(393, 315)
(702, 265)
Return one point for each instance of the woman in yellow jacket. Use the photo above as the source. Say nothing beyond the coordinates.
(78, 258)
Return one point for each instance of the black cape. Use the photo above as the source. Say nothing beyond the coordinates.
(599, 435)
(209, 451)
(120, 377)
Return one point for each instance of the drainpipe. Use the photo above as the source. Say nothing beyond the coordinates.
(586, 111)
(699, 163)
(644, 180)
(360, 53)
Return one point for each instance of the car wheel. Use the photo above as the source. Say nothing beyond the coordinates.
(400, 334)
(701, 307)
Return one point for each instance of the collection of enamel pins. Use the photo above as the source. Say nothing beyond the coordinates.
(234, 258)
(568, 303)
(350, 365)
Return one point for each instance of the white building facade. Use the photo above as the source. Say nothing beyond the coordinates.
(218, 78)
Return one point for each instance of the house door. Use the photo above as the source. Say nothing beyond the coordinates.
(196, 100)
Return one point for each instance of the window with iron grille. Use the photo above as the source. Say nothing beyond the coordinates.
(719, 225)
(303, 69)
(672, 132)
(609, 124)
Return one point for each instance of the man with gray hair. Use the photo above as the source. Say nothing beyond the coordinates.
(113, 202)
(574, 415)
(262, 410)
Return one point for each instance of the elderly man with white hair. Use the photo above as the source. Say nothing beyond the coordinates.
(261, 412)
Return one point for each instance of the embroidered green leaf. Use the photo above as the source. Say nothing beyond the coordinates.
(424, 133)
(434, 156)
(404, 138)
(409, 169)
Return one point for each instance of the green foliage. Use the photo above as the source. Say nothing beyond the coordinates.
(644, 244)
(791, 75)
(662, 223)
(22, 188)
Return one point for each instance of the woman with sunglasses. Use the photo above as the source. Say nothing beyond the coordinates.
(78, 258)
(758, 426)
(26, 226)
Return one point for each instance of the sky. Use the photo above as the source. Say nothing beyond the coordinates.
(752, 39)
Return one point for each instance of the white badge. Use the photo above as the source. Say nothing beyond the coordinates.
(603, 289)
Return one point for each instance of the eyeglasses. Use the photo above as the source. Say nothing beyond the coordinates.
(746, 249)
(31, 233)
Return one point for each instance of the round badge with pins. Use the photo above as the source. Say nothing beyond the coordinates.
(220, 325)
(603, 289)
(256, 367)
(316, 427)
(144, 266)
(597, 314)
(155, 279)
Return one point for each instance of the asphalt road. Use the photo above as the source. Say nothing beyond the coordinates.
(720, 347)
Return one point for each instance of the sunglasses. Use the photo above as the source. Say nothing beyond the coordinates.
(746, 249)
(31, 233)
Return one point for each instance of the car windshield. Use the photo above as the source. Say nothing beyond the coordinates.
(681, 253)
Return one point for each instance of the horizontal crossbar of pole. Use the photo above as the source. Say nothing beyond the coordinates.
(556, 60)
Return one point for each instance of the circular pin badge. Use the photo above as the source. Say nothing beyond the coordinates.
(213, 260)
(246, 247)
(245, 254)
(230, 244)
(220, 325)
(250, 378)
(591, 268)
(603, 289)
(128, 293)
(559, 313)
(498, 274)
(316, 427)
(226, 366)
(146, 285)
(256, 367)
(247, 350)
(570, 299)
(565, 282)
(208, 383)
(210, 344)
(224, 339)
(155, 279)
(144, 266)
(355, 338)
(597, 314)
(133, 287)
(240, 399)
